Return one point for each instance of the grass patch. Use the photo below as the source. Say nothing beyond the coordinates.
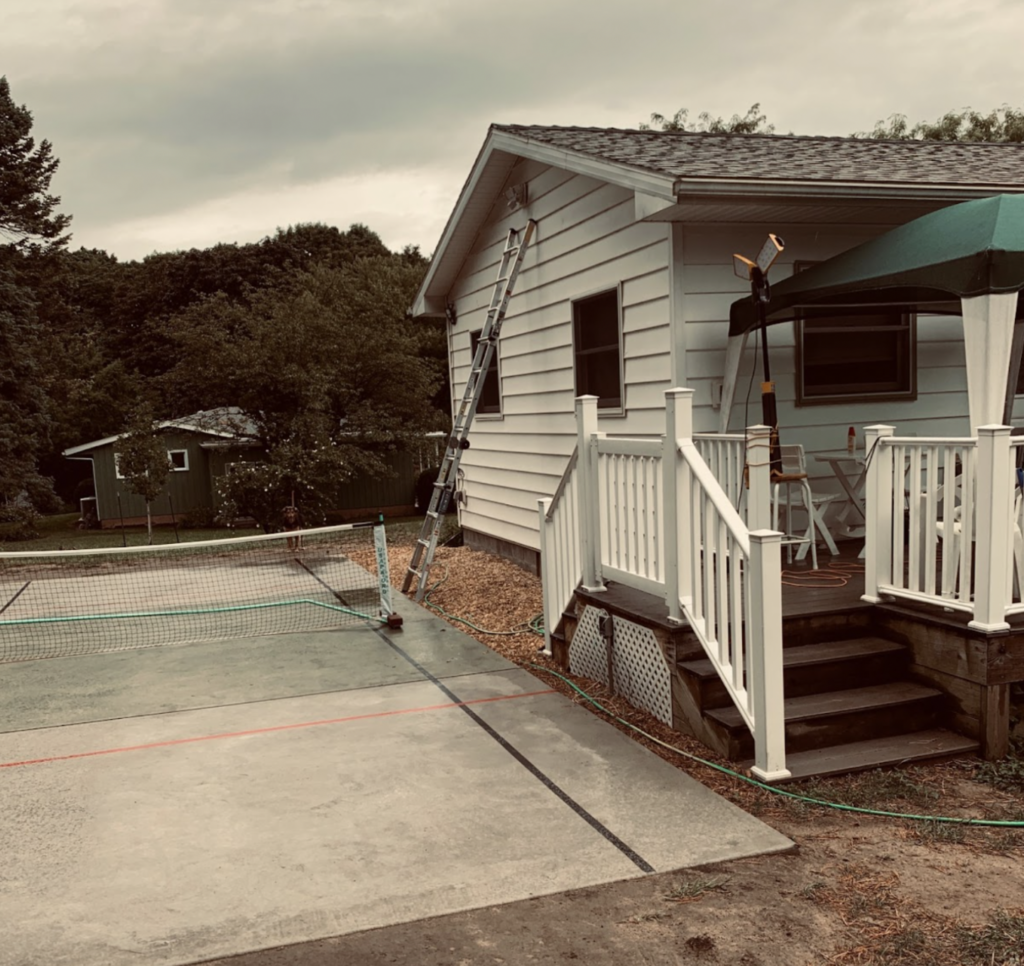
(693, 889)
(886, 790)
(940, 833)
(1000, 942)
(1007, 774)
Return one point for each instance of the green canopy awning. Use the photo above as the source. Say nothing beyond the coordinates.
(926, 265)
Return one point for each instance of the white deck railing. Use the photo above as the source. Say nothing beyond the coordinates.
(941, 522)
(651, 514)
(630, 497)
(726, 456)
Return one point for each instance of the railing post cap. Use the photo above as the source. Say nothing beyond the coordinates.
(880, 428)
(678, 391)
(994, 429)
(766, 536)
(759, 429)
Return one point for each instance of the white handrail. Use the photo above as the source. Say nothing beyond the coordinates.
(560, 566)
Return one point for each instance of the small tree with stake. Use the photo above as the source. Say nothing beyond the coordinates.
(142, 461)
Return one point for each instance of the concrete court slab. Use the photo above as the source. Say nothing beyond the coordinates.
(218, 845)
(159, 680)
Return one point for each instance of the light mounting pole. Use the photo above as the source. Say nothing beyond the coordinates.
(756, 272)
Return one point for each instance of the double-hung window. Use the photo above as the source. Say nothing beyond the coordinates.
(869, 356)
(490, 394)
(597, 348)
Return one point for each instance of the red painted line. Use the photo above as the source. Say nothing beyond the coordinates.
(263, 731)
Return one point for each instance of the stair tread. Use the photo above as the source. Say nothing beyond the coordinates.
(878, 753)
(809, 654)
(837, 702)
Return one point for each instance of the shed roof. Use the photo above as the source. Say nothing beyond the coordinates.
(712, 171)
(227, 422)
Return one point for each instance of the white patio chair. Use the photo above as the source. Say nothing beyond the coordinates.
(794, 479)
(950, 575)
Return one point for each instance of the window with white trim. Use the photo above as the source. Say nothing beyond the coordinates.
(117, 467)
(178, 460)
(597, 347)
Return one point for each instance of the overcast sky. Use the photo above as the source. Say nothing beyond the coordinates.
(183, 123)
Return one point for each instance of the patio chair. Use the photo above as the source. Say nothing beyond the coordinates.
(794, 479)
(951, 564)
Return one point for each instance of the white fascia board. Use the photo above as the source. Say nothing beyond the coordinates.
(647, 206)
(429, 301)
(95, 444)
(624, 175)
(169, 424)
(705, 189)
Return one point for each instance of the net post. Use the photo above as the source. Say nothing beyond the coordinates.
(380, 545)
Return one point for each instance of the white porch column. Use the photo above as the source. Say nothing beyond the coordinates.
(993, 529)
(988, 344)
(878, 497)
(733, 357)
(589, 493)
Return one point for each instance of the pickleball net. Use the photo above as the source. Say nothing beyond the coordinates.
(75, 602)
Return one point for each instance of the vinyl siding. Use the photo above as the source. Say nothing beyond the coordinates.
(586, 242)
(710, 287)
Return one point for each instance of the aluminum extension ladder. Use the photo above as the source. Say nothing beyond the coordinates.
(458, 442)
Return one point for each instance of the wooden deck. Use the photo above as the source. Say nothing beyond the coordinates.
(836, 585)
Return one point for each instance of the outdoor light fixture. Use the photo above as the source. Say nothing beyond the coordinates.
(516, 196)
(760, 291)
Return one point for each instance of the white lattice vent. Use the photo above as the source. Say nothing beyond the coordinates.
(638, 663)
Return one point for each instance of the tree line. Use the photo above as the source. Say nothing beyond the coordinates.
(305, 332)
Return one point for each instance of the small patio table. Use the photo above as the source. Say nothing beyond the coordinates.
(845, 463)
(851, 470)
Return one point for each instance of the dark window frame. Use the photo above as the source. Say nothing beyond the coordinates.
(492, 379)
(608, 404)
(901, 323)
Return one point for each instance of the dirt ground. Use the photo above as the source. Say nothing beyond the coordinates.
(857, 889)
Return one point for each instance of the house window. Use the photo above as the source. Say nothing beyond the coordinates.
(597, 348)
(490, 395)
(178, 459)
(117, 466)
(869, 356)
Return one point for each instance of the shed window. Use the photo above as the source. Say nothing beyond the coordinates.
(178, 459)
(490, 395)
(597, 348)
(117, 466)
(867, 356)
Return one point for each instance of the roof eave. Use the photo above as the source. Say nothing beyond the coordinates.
(813, 191)
(496, 159)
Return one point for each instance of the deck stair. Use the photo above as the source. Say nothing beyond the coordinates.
(851, 704)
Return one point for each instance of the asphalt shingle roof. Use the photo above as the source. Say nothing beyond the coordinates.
(683, 154)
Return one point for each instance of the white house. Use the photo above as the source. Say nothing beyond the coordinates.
(626, 290)
(653, 581)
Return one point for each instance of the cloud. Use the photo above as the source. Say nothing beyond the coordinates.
(158, 107)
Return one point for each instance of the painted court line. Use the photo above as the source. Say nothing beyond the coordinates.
(269, 730)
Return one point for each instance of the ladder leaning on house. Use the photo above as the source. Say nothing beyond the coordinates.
(458, 442)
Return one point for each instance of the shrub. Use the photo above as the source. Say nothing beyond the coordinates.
(20, 522)
(199, 518)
